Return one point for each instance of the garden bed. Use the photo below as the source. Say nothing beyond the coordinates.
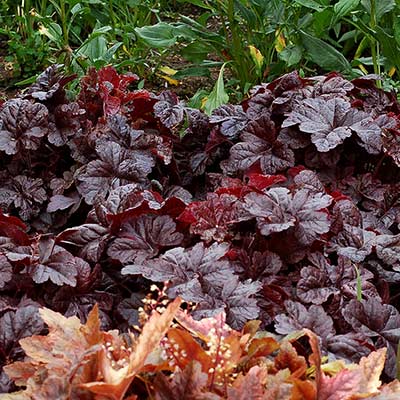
(282, 209)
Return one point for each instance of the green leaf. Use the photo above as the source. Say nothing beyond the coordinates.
(396, 30)
(343, 8)
(196, 52)
(382, 7)
(246, 12)
(218, 95)
(192, 71)
(161, 35)
(197, 3)
(27, 81)
(94, 48)
(322, 22)
(367, 61)
(323, 54)
(196, 100)
(389, 47)
(76, 8)
(108, 55)
(258, 59)
(291, 55)
(53, 31)
(349, 35)
(102, 29)
(314, 5)
(95, 2)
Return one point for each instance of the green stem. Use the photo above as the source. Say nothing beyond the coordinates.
(43, 7)
(112, 15)
(375, 52)
(238, 54)
(63, 17)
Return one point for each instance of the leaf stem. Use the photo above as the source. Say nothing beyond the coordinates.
(63, 17)
(375, 51)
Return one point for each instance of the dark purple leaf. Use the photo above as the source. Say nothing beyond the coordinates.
(91, 239)
(350, 346)
(6, 271)
(278, 210)
(169, 110)
(293, 138)
(324, 120)
(309, 180)
(60, 202)
(128, 308)
(260, 267)
(354, 243)
(299, 317)
(201, 275)
(331, 121)
(26, 194)
(332, 86)
(351, 240)
(15, 325)
(115, 168)
(259, 144)
(240, 307)
(364, 186)
(314, 286)
(384, 272)
(271, 209)
(231, 119)
(374, 319)
(22, 126)
(143, 238)
(259, 103)
(388, 248)
(213, 218)
(287, 82)
(180, 266)
(391, 139)
(369, 133)
(66, 121)
(49, 85)
(48, 262)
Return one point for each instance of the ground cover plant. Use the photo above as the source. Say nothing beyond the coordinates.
(282, 209)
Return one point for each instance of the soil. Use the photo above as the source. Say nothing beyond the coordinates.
(188, 86)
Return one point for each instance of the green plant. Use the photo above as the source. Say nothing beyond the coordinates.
(26, 51)
(379, 26)
(263, 39)
(260, 39)
(77, 33)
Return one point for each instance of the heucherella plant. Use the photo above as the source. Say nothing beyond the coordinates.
(282, 208)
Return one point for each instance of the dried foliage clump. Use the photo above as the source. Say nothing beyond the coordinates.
(190, 359)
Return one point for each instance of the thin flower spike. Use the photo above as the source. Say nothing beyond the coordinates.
(117, 381)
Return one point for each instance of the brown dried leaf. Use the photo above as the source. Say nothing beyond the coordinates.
(116, 381)
(357, 383)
